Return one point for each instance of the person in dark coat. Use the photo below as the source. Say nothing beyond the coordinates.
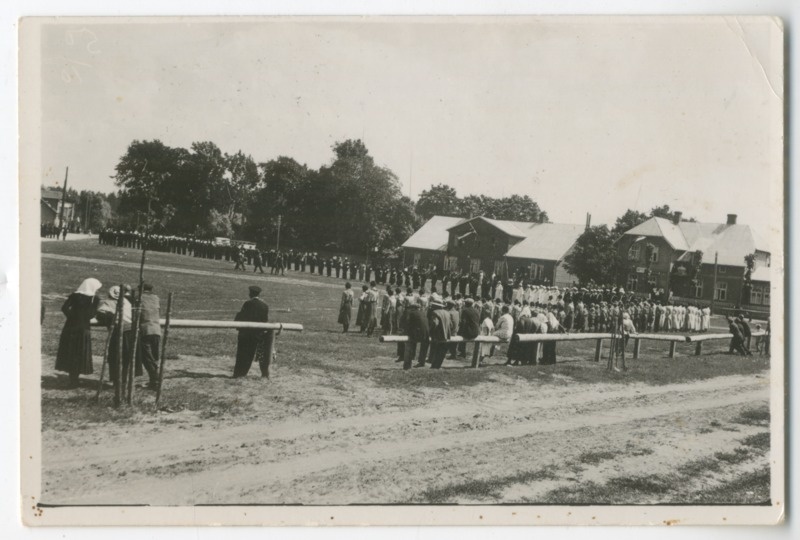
(257, 262)
(416, 328)
(746, 334)
(469, 325)
(737, 341)
(254, 310)
(75, 345)
(150, 332)
(523, 352)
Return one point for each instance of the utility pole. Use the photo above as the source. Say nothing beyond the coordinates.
(278, 240)
(714, 289)
(63, 200)
(86, 214)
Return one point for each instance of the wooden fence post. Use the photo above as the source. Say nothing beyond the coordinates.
(476, 355)
(118, 379)
(537, 348)
(105, 361)
(636, 345)
(672, 345)
(269, 345)
(598, 349)
(163, 358)
(698, 349)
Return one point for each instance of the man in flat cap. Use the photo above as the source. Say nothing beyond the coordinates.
(254, 310)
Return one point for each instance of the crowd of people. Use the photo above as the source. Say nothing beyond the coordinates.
(424, 304)
(50, 230)
(429, 318)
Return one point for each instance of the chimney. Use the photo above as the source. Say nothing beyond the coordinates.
(677, 219)
(731, 219)
(588, 220)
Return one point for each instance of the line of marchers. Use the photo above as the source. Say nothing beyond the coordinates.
(355, 207)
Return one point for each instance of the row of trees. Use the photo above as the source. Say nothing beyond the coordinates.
(351, 204)
(442, 200)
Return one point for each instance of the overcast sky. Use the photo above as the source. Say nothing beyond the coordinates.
(582, 115)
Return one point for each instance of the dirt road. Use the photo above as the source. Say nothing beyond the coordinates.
(500, 441)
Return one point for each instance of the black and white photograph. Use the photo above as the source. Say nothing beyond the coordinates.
(402, 270)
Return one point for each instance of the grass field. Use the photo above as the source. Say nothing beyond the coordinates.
(340, 422)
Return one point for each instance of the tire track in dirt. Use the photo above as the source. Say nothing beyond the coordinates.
(227, 483)
(153, 445)
(158, 268)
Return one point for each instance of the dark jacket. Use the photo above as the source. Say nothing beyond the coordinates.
(745, 328)
(254, 310)
(416, 325)
(470, 324)
(149, 322)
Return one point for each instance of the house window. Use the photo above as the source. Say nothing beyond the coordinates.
(759, 295)
(498, 267)
(756, 295)
(450, 263)
(416, 259)
(475, 265)
(634, 252)
(654, 255)
(698, 289)
(721, 292)
(652, 281)
(722, 269)
(633, 282)
(537, 271)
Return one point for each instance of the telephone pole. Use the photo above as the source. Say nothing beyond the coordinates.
(63, 200)
(278, 239)
(714, 289)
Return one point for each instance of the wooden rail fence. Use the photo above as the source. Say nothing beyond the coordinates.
(538, 339)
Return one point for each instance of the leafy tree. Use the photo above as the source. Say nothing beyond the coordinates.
(439, 200)
(518, 208)
(283, 189)
(365, 193)
(595, 259)
(240, 179)
(628, 220)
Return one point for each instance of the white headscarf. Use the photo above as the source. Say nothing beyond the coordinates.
(89, 287)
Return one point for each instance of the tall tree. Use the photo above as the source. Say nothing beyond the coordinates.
(594, 258)
(439, 200)
(283, 189)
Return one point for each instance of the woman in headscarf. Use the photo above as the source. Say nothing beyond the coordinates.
(75, 346)
(346, 307)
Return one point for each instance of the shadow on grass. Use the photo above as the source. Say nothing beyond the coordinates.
(185, 374)
(61, 382)
(483, 489)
